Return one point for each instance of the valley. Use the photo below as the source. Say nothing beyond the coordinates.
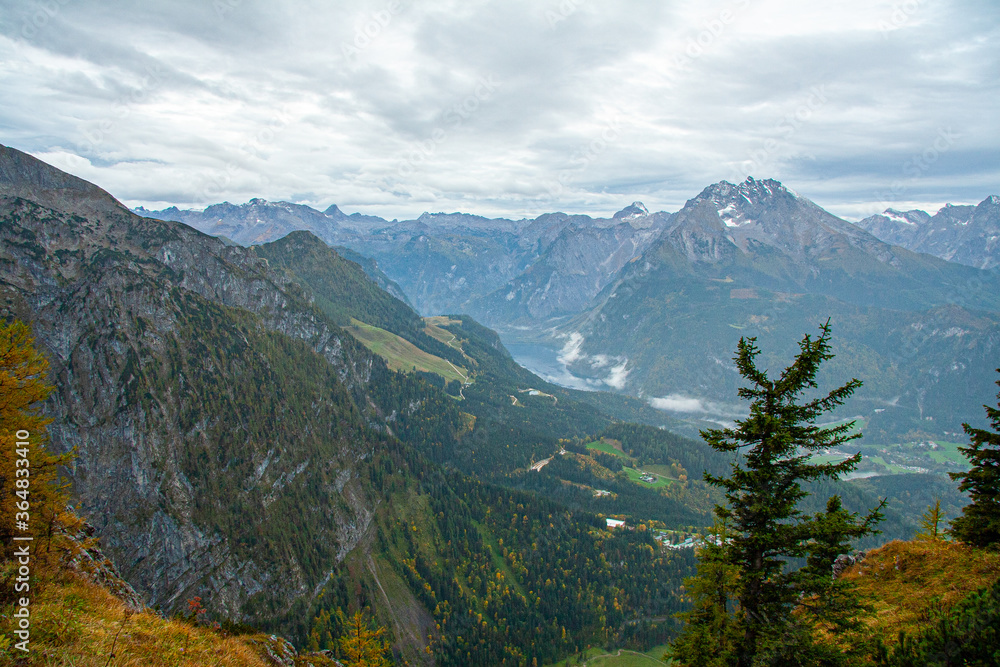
(243, 415)
(651, 304)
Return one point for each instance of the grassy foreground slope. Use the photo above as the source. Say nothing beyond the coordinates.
(906, 581)
(79, 623)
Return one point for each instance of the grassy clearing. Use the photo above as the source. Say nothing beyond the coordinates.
(579, 659)
(433, 328)
(661, 470)
(608, 448)
(402, 355)
(658, 651)
(625, 659)
(893, 468)
(634, 474)
(825, 458)
(597, 657)
(948, 453)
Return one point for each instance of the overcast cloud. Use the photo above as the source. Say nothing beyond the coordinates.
(394, 107)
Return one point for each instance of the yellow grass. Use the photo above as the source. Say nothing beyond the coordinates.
(74, 623)
(433, 328)
(904, 579)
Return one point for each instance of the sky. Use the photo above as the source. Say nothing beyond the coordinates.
(512, 108)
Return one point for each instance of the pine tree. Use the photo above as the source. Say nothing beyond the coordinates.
(28, 472)
(930, 523)
(363, 645)
(762, 494)
(711, 632)
(979, 524)
(830, 603)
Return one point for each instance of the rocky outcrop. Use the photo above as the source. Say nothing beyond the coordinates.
(85, 559)
(845, 561)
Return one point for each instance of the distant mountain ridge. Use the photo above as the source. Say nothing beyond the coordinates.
(965, 234)
(746, 257)
(496, 269)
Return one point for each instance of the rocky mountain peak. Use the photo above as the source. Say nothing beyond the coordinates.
(742, 204)
(913, 217)
(22, 175)
(992, 200)
(634, 210)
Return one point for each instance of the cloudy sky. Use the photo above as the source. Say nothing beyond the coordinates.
(394, 107)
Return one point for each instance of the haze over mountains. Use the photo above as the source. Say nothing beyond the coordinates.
(448, 263)
(651, 304)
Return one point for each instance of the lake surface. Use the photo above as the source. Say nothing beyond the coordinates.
(544, 362)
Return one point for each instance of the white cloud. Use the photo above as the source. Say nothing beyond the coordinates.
(184, 98)
(616, 378)
(694, 405)
(572, 350)
(678, 403)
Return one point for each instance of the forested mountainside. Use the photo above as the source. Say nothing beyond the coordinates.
(241, 437)
(754, 258)
(234, 443)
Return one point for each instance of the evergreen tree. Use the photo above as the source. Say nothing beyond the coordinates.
(830, 603)
(363, 645)
(979, 524)
(32, 501)
(711, 633)
(930, 523)
(762, 493)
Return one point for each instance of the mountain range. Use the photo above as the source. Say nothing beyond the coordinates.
(964, 234)
(756, 259)
(270, 429)
(235, 441)
(459, 263)
(651, 305)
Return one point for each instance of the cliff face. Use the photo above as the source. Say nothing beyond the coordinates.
(221, 451)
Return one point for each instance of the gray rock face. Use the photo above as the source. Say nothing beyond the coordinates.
(576, 263)
(90, 563)
(968, 235)
(758, 215)
(459, 263)
(895, 227)
(129, 311)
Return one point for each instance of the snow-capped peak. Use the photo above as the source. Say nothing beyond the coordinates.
(898, 216)
(635, 210)
(736, 203)
(750, 191)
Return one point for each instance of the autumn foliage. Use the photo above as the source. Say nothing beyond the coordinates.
(28, 474)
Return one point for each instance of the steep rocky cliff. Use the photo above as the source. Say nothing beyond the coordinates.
(220, 448)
